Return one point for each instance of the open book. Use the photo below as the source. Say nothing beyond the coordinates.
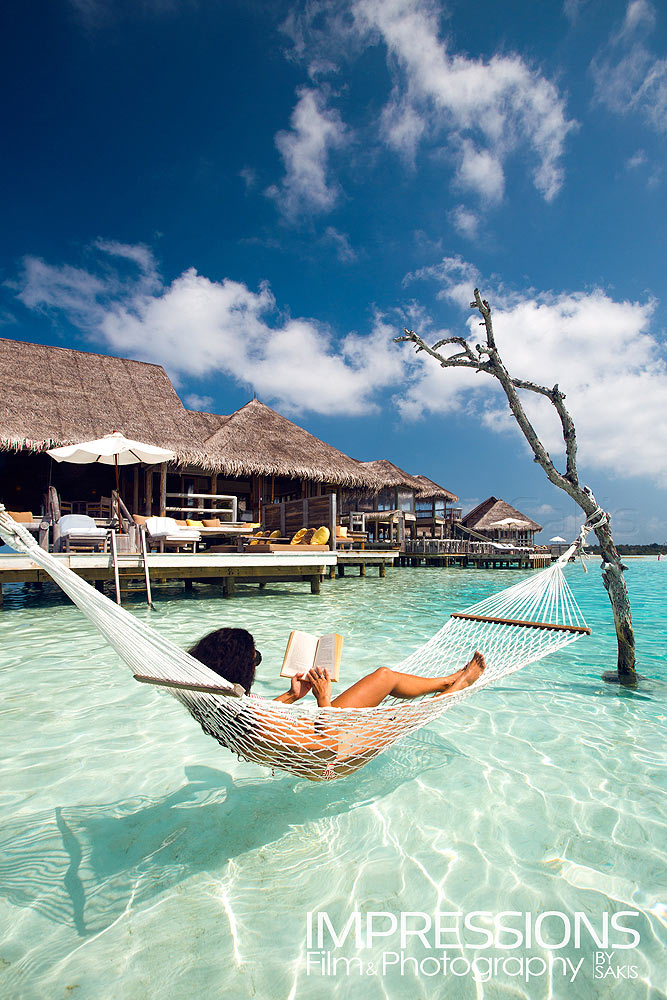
(305, 651)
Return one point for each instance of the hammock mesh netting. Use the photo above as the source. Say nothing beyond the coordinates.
(537, 616)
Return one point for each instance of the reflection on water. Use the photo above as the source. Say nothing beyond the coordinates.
(132, 842)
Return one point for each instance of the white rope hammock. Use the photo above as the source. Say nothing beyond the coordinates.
(517, 626)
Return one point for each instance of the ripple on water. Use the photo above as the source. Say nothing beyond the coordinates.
(133, 845)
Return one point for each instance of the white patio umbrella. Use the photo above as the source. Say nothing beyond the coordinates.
(557, 538)
(512, 522)
(112, 449)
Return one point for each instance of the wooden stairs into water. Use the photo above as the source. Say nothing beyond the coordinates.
(130, 576)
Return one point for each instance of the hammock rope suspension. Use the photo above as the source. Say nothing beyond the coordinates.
(513, 628)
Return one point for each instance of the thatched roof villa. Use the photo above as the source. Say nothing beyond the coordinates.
(56, 396)
(256, 440)
(432, 491)
(498, 520)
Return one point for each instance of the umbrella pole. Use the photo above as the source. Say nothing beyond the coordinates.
(120, 519)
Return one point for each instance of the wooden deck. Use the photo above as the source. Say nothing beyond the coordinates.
(363, 558)
(227, 569)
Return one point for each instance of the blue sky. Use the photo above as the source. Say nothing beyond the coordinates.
(260, 195)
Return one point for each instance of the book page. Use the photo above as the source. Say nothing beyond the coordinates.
(328, 653)
(299, 654)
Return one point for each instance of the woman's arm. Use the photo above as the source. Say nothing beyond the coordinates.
(298, 689)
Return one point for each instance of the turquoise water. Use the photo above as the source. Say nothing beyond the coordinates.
(140, 860)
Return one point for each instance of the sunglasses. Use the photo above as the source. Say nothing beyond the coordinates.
(258, 657)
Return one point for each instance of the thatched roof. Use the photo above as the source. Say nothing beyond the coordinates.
(256, 440)
(53, 396)
(204, 425)
(431, 491)
(390, 474)
(486, 515)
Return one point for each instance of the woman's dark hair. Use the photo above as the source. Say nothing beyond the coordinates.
(230, 652)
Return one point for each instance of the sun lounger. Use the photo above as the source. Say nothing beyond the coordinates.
(165, 533)
(79, 533)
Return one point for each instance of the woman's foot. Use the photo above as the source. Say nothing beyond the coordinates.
(470, 673)
(445, 683)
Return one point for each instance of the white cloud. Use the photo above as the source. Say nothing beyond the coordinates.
(482, 172)
(465, 221)
(602, 353)
(572, 8)
(344, 250)
(195, 402)
(486, 109)
(629, 78)
(196, 328)
(307, 187)
(637, 160)
(249, 177)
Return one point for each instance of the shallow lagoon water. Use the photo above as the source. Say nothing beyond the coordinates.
(141, 860)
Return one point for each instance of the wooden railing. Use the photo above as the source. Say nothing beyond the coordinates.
(460, 546)
(310, 512)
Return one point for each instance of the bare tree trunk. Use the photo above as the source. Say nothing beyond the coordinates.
(485, 358)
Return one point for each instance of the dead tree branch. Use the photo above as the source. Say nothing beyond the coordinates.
(486, 358)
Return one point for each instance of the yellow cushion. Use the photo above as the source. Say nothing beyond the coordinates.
(192, 523)
(299, 535)
(321, 536)
(275, 534)
(21, 516)
(258, 537)
(211, 522)
(341, 531)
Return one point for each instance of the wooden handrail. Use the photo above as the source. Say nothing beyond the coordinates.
(584, 630)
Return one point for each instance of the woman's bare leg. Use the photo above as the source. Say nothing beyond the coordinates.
(374, 688)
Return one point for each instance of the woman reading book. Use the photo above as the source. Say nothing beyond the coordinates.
(325, 745)
(231, 653)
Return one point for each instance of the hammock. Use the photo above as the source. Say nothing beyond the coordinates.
(517, 626)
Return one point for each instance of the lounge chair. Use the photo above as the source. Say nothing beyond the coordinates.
(79, 533)
(164, 532)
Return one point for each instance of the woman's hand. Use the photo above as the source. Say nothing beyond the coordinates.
(300, 686)
(319, 679)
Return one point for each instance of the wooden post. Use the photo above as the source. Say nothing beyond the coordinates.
(332, 521)
(332, 572)
(315, 584)
(341, 569)
(362, 569)
(228, 586)
(163, 489)
(188, 584)
(135, 491)
(383, 569)
(149, 492)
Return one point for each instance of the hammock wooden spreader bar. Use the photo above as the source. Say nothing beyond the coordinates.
(235, 691)
(584, 630)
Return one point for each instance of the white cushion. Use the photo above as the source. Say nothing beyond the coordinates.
(80, 524)
(166, 528)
